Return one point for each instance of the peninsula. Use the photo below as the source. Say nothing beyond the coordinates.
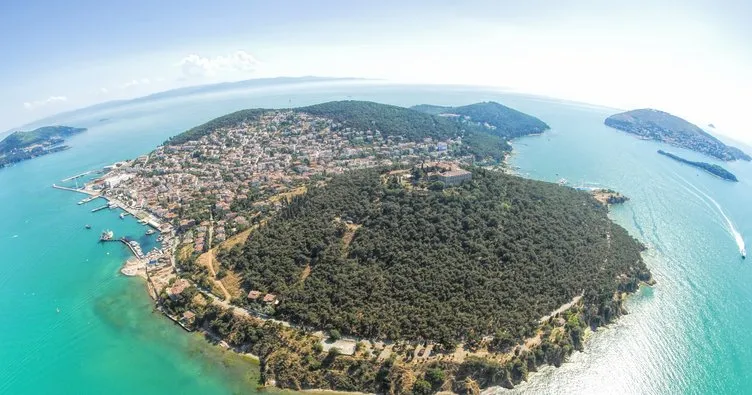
(19, 146)
(710, 168)
(657, 125)
(358, 246)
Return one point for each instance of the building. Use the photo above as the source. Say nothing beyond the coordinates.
(455, 177)
(253, 295)
(178, 288)
(271, 299)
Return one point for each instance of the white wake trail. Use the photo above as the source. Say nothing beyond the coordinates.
(729, 224)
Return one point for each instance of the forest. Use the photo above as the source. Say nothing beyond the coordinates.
(374, 257)
(506, 122)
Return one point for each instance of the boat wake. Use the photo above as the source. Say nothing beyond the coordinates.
(730, 228)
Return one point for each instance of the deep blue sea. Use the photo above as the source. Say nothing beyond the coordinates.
(70, 323)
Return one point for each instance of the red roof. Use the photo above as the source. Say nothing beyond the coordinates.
(270, 298)
(254, 295)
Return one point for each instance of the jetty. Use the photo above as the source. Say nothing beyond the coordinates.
(71, 178)
(131, 244)
(100, 208)
(79, 190)
(88, 199)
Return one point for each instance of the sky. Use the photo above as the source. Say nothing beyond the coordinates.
(692, 58)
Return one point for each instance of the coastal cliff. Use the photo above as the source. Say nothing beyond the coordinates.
(661, 126)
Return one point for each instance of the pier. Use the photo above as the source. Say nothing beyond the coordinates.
(136, 250)
(88, 199)
(77, 176)
(100, 208)
(81, 190)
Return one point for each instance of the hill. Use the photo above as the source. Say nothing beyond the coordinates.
(503, 121)
(708, 167)
(480, 140)
(661, 126)
(20, 145)
(372, 257)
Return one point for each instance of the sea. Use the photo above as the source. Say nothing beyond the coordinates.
(71, 323)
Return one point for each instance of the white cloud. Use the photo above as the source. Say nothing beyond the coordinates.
(195, 65)
(135, 82)
(103, 90)
(30, 105)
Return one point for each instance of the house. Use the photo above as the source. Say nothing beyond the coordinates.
(271, 299)
(188, 318)
(254, 295)
(455, 177)
(177, 288)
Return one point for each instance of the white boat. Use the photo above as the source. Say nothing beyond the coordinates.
(744, 253)
(122, 215)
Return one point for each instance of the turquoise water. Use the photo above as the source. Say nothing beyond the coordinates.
(688, 334)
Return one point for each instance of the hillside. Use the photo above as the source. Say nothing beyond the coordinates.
(492, 255)
(45, 135)
(661, 126)
(20, 145)
(503, 121)
(481, 141)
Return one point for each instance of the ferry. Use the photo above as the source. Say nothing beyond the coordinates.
(106, 235)
(150, 232)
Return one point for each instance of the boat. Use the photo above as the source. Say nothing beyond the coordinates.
(87, 226)
(150, 232)
(107, 235)
(744, 253)
(122, 215)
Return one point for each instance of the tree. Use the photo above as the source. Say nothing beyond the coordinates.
(422, 387)
(334, 335)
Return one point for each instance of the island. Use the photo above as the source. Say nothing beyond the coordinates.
(708, 167)
(357, 246)
(657, 125)
(20, 146)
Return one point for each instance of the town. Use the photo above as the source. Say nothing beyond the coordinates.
(214, 187)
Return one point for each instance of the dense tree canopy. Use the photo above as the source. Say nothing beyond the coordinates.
(379, 259)
(506, 122)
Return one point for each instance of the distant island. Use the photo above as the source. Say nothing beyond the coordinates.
(657, 125)
(358, 246)
(20, 146)
(710, 168)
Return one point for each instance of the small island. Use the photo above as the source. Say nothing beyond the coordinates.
(710, 168)
(661, 126)
(20, 146)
